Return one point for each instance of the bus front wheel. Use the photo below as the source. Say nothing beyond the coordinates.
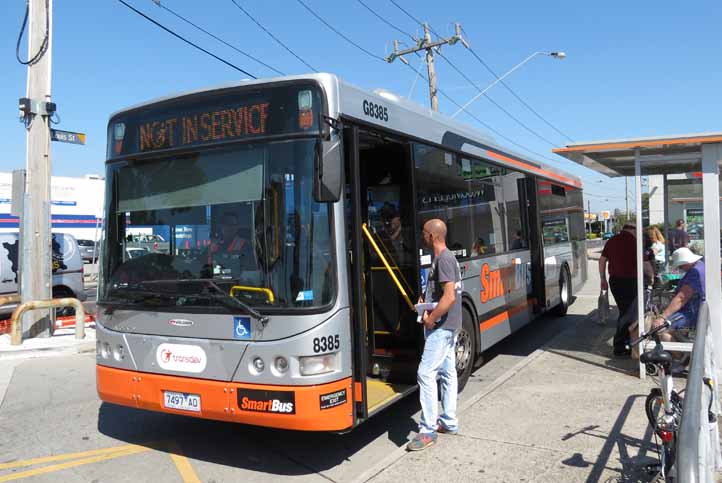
(465, 349)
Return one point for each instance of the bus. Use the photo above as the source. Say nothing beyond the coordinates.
(306, 319)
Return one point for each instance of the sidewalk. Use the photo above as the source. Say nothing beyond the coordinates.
(570, 414)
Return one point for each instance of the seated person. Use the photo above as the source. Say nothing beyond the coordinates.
(228, 245)
(479, 247)
(683, 310)
(518, 242)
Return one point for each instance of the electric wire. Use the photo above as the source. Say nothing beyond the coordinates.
(158, 24)
(518, 98)
(446, 96)
(375, 14)
(43, 45)
(496, 76)
(476, 118)
(278, 41)
(367, 52)
(499, 106)
(177, 15)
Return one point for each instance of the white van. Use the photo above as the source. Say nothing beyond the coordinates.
(67, 267)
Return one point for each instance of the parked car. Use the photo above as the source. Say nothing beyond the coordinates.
(607, 235)
(152, 243)
(136, 252)
(67, 268)
(88, 250)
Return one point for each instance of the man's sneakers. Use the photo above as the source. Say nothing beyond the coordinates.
(440, 428)
(421, 441)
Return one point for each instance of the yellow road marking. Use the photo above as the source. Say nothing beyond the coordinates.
(70, 464)
(183, 465)
(68, 456)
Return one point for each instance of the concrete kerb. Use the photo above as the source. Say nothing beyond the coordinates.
(498, 382)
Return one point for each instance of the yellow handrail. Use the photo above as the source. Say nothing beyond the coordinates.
(244, 288)
(390, 270)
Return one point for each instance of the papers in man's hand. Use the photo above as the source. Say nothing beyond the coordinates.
(424, 307)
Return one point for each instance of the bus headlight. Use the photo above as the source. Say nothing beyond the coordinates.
(105, 350)
(314, 365)
(118, 353)
(258, 365)
(281, 364)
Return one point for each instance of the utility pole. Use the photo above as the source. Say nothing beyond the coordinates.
(36, 109)
(429, 46)
(626, 197)
(589, 210)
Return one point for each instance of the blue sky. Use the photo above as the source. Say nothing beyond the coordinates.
(633, 68)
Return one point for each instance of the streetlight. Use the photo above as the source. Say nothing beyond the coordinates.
(556, 55)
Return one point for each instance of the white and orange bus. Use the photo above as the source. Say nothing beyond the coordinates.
(292, 208)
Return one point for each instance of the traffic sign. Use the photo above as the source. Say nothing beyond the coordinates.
(67, 136)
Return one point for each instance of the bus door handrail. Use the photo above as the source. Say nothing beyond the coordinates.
(390, 270)
(244, 288)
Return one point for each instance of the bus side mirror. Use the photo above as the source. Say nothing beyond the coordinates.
(327, 171)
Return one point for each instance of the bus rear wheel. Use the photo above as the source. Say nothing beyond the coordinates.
(565, 292)
(465, 349)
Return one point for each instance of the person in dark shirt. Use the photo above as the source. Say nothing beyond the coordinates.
(678, 238)
(620, 254)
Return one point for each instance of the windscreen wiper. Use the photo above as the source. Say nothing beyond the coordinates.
(220, 295)
(232, 302)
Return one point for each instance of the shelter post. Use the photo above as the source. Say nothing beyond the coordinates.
(639, 237)
(711, 157)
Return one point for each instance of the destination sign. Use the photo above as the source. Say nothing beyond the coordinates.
(202, 119)
(207, 126)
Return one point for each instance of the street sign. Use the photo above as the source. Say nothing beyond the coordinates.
(67, 136)
(606, 215)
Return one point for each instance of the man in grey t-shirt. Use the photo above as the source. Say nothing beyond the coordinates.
(443, 287)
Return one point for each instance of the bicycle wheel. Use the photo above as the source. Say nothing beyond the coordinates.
(652, 406)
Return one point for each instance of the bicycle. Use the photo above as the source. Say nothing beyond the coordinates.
(663, 404)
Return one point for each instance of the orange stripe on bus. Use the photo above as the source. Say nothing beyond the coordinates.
(638, 144)
(543, 172)
(504, 316)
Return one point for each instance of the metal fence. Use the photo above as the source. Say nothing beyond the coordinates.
(698, 449)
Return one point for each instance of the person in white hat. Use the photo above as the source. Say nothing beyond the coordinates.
(683, 310)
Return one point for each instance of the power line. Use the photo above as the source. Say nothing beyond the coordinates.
(186, 40)
(522, 101)
(339, 33)
(534, 111)
(43, 46)
(412, 17)
(511, 116)
(450, 99)
(273, 36)
(157, 2)
(386, 21)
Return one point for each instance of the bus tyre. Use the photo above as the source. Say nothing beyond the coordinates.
(465, 349)
(565, 292)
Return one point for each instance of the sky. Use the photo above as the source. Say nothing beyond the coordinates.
(632, 69)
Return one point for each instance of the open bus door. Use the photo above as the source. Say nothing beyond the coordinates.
(384, 273)
(531, 218)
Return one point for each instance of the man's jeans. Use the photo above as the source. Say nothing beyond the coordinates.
(439, 358)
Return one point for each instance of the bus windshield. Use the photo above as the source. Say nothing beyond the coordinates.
(240, 216)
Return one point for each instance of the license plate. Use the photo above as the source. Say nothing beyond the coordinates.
(182, 401)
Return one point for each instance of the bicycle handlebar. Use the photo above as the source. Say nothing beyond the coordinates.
(651, 333)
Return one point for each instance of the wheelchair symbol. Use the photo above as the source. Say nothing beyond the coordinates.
(242, 327)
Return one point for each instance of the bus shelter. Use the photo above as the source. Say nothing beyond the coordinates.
(667, 155)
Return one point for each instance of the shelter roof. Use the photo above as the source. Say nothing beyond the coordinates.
(657, 155)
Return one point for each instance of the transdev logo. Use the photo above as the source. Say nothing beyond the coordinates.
(181, 358)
